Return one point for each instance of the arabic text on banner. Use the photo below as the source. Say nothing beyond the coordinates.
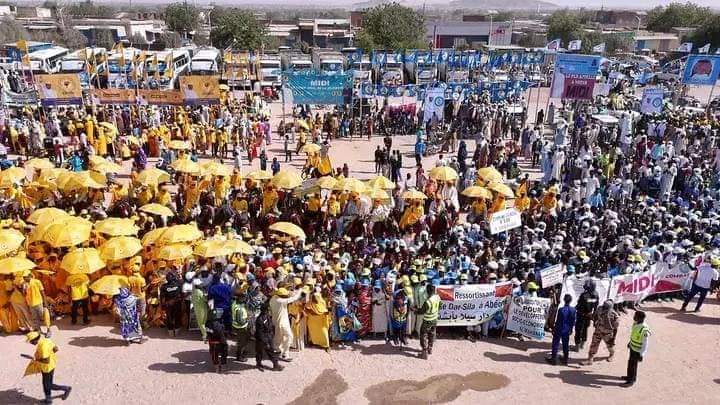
(527, 316)
(471, 304)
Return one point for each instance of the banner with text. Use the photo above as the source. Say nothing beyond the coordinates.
(574, 76)
(434, 104)
(527, 316)
(505, 220)
(659, 278)
(200, 90)
(318, 88)
(652, 100)
(550, 276)
(113, 96)
(160, 97)
(59, 89)
(471, 304)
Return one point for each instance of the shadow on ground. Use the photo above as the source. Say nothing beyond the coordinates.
(197, 362)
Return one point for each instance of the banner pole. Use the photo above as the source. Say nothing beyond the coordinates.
(707, 107)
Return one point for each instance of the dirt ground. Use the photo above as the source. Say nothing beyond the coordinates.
(680, 367)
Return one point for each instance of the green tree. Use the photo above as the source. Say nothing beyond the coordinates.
(708, 33)
(138, 39)
(169, 39)
(11, 31)
(237, 28)
(89, 9)
(392, 26)
(563, 24)
(662, 19)
(181, 17)
(104, 39)
(73, 39)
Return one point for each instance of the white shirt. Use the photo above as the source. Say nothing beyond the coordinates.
(705, 275)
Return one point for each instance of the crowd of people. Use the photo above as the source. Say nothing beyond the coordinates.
(353, 259)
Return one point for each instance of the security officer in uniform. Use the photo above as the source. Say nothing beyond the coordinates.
(586, 305)
(638, 344)
(429, 311)
(606, 322)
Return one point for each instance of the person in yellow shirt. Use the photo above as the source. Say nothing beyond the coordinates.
(498, 204)
(477, 210)
(90, 132)
(78, 285)
(8, 318)
(145, 196)
(549, 202)
(35, 299)
(44, 361)
(221, 187)
(239, 204)
(102, 143)
(270, 200)
(236, 179)
(333, 206)
(163, 197)
(413, 213)
(137, 285)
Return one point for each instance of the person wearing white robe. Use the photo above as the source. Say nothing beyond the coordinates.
(379, 309)
(283, 331)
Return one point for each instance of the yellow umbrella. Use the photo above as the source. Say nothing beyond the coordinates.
(260, 175)
(82, 261)
(413, 195)
(72, 181)
(15, 265)
(477, 192)
(288, 229)
(212, 248)
(111, 130)
(379, 194)
(502, 189)
(179, 234)
(107, 167)
(10, 240)
(186, 166)
(239, 246)
(38, 163)
(351, 185)
(45, 215)
(179, 145)
(38, 233)
(326, 182)
(214, 168)
(49, 177)
(96, 160)
(489, 174)
(11, 176)
(120, 247)
(381, 182)
(109, 285)
(443, 173)
(153, 176)
(151, 237)
(65, 232)
(310, 148)
(157, 209)
(287, 178)
(117, 227)
(176, 251)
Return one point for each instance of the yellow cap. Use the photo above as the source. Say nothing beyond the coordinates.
(32, 336)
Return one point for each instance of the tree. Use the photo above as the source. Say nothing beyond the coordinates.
(237, 28)
(104, 39)
(11, 31)
(89, 9)
(563, 24)
(138, 39)
(73, 39)
(169, 39)
(708, 33)
(181, 17)
(662, 19)
(392, 26)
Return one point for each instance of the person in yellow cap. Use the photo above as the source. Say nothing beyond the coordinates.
(44, 362)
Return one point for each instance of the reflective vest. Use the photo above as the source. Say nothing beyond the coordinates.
(433, 304)
(636, 337)
(239, 316)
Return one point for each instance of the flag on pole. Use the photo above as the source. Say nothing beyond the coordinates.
(553, 45)
(169, 65)
(599, 48)
(685, 47)
(575, 45)
(704, 49)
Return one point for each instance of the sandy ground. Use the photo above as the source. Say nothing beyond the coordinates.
(681, 367)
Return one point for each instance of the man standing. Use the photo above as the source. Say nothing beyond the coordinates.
(564, 323)
(281, 321)
(706, 273)
(585, 307)
(606, 325)
(78, 284)
(638, 347)
(429, 311)
(264, 335)
(240, 324)
(44, 362)
(35, 299)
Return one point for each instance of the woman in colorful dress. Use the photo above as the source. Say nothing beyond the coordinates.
(126, 309)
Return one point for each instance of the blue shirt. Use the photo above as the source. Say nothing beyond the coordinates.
(221, 294)
(565, 320)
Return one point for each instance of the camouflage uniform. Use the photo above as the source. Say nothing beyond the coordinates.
(606, 322)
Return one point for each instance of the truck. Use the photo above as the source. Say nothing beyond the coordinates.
(296, 61)
(424, 69)
(239, 71)
(270, 71)
(391, 73)
(361, 70)
(328, 61)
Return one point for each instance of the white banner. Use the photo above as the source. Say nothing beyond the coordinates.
(434, 104)
(552, 275)
(574, 286)
(527, 316)
(657, 279)
(652, 100)
(505, 220)
(471, 304)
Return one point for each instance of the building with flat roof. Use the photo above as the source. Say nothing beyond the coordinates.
(656, 41)
(448, 34)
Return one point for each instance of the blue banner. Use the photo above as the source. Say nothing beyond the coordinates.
(318, 88)
(702, 70)
(572, 64)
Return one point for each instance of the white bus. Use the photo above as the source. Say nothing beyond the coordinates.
(270, 71)
(178, 60)
(75, 62)
(206, 61)
(47, 60)
(118, 74)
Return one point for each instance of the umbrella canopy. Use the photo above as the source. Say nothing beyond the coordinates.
(381, 182)
(489, 174)
(179, 234)
(501, 189)
(45, 215)
(82, 261)
(151, 237)
(157, 209)
(212, 248)
(64, 232)
(10, 240)
(443, 173)
(110, 129)
(153, 176)
(379, 194)
(302, 124)
(260, 175)
(71, 181)
(38, 163)
(119, 248)
(186, 166)
(11, 176)
(351, 185)
(326, 182)
(107, 167)
(39, 232)
(288, 229)
(310, 148)
(477, 192)
(117, 227)
(176, 251)
(214, 168)
(287, 178)
(239, 246)
(179, 145)
(15, 265)
(413, 195)
(109, 285)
